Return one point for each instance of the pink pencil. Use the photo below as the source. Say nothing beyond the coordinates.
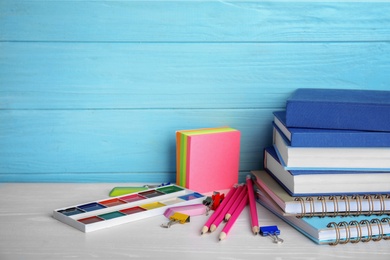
(233, 218)
(225, 209)
(218, 210)
(252, 205)
(230, 211)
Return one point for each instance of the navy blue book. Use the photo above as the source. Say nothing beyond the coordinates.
(316, 137)
(339, 109)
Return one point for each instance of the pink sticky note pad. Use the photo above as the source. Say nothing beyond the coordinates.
(213, 161)
(190, 210)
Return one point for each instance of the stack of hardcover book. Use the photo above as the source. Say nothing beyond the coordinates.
(328, 171)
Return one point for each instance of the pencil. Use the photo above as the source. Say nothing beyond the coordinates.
(226, 207)
(233, 218)
(252, 205)
(206, 226)
(235, 203)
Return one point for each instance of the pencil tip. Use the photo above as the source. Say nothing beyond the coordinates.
(204, 230)
(222, 236)
(255, 230)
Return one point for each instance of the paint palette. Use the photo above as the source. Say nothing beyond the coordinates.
(95, 215)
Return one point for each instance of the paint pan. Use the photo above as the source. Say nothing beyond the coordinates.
(172, 201)
(111, 215)
(91, 206)
(112, 202)
(90, 220)
(191, 196)
(132, 210)
(71, 211)
(132, 198)
(152, 205)
(169, 189)
(151, 193)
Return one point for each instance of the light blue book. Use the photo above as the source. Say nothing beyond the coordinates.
(333, 230)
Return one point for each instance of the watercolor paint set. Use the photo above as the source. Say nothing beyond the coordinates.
(114, 211)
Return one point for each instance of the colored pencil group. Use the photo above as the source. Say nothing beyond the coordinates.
(231, 207)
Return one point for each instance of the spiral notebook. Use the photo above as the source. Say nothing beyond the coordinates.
(321, 205)
(334, 230)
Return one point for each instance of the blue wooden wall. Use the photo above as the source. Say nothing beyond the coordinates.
(93, 91)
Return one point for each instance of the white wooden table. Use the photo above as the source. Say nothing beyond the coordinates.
(28, 231)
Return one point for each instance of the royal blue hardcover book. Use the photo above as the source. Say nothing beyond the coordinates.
(339, 109)
(317, 137)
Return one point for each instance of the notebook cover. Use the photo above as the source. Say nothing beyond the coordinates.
(339, 109)
(316, 137)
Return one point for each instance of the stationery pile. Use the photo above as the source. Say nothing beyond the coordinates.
(328, 171)
(208, 158)
(230, 209)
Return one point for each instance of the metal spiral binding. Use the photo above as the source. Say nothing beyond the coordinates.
(311, 201)
(386, 220)
(335, 205)
(382, 204)
(310, 212)
(347, 232)
(369, 230)
(380, 228)
(347, 205)
(336, 228)
(324, 207)
(303, 207)
(370, 204)
(358, 230)
(358, 205)
(380, 223)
